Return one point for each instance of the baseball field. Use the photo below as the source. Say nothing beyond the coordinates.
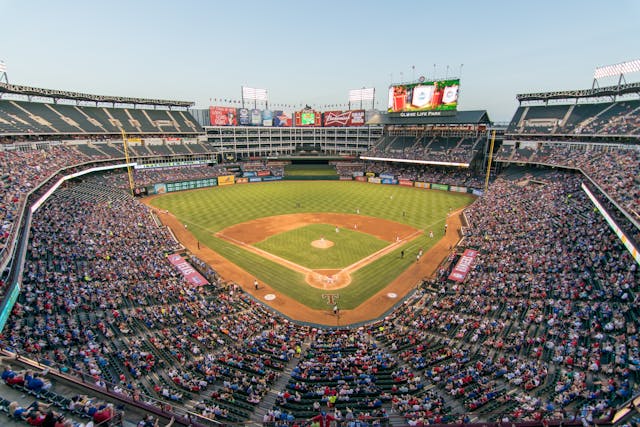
(302, 240)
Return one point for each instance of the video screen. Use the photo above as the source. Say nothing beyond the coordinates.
(440, 95)
(307, 118)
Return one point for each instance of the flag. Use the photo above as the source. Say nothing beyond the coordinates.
(3, 67)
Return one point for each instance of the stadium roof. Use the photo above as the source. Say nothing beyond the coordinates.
(63, 94)
(581, 93)
(473, 117)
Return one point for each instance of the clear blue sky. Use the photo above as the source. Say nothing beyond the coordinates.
(313, 52)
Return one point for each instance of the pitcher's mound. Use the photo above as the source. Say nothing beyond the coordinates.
(322, 244)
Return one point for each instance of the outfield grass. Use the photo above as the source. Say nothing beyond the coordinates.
(295, 245)
(210, 210)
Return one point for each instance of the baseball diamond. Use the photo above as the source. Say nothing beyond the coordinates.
(239, 232)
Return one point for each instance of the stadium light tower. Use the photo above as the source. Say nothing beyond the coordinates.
(256, 95)
(3, 72)
(359, 95)
(614, 70)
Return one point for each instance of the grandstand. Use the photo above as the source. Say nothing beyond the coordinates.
(24, 117)
(458, 140)
(542, 331)
(598, 138)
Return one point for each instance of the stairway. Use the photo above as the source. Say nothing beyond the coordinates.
(269, 400)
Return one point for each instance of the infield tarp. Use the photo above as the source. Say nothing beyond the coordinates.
(190, 274)
(462, 268)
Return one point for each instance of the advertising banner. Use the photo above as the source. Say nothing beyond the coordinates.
(8, 306)
(256, 117)
(263, 173)
(249, 173)
(244, 118)
(344, 118)
(386, 176)
(358, 173)
(422, 185)
(477, 192)
(463, 266)
(405, 182)
(370, 174)
(458, 189)
(255, 179)
(389, 181)
(267, 118)
(357, 118)
(374, 180)
(226, 180)
(281, 119)
(223, 116)
(346, 178)
(442, 187)
(272, 178)
(361, 178)
(160, 188)
(242, 180)
(190, 274)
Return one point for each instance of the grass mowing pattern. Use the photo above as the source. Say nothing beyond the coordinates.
(310, 170)
(295, 245)
(210, 210)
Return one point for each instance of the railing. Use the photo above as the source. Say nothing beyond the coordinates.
(149, 404)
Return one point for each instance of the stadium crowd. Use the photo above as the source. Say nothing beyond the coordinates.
(615, 171)
(549, 309)
(22, 171)
(545, 326)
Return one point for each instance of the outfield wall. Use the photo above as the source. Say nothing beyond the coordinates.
(170, 187)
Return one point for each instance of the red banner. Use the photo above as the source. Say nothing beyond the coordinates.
(344, 118)
(223, 116)
(190, 274)
(263, 173)
(361, 178)
(405, 182)
(462, 268)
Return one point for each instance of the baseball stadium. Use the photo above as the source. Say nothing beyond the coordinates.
(281, 265)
